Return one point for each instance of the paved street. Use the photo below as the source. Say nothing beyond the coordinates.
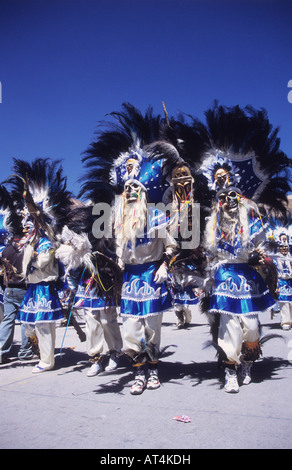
(65, 409)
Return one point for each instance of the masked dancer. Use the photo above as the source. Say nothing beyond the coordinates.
(238, 167)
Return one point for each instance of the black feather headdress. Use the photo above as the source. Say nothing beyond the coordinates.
(182, 144)
(130, 132)
(190, 138)
(10, 219)
(41, 187)
(246, 139)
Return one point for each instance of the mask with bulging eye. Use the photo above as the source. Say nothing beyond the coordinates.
(132, 191)
(182, 182)
(229, 201)
(131, 165)
(283, 239)
(284, 250)
(221, 178)
(26, 222)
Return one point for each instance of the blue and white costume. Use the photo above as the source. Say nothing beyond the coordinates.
(41, 302)
(241, 163)
(239, 294)
(141, 296)
(186, 296)
(88, 297)
(103, 336)
(282, 258)
(144, 295)
(186, 288)
(101, 325)
(143, 299)
(239, 288)
(284, 267)
(41, 307)
(143, 249)
(95, 297)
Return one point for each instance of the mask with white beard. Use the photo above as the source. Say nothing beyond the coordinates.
(132, 218)
(229, 214)
(229, 203)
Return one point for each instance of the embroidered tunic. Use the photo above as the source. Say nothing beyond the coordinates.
(141, 296)
(239, 288)
(41, 302)
(186, 285)
(284, 267)
(89, 297)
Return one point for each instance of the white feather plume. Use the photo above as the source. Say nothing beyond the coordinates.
(74, 251)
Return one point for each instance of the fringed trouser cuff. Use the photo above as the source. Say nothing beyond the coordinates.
(95, 359)
(251, 351)
(230, 364)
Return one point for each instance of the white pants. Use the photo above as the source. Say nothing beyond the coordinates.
(183, 310)
(233, 331)
(286, 313)
(143, 335)
(46, 335)
(102, 330)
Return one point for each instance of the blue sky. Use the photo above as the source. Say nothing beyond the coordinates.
(65, 64)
